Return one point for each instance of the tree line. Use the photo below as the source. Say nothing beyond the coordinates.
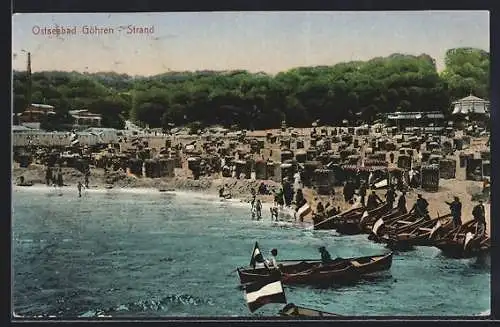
(357, 90)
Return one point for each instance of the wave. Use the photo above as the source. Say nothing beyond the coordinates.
(151, 305)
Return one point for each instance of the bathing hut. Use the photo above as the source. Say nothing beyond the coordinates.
(307, 175)
(324, 180)
(260, 169)
(194, 163)
(485, 155)
(447, 168)
(463, 158)
(239, 168)
(285, 143)
(311, 154)
(277, 172)
(152, 168)
(286, 155)
(404, 162)
(167, 167)
(486, 168)
(287, 171)
(474, 169)
(434, 159)
(389, 146)
(406, 151)
(135, 166)
(430, 178)
(301, 156)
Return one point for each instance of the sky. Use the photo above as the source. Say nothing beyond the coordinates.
(255, 41)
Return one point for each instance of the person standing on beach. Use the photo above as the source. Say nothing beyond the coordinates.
(456, 211)
(48, 176)
(390, 196)
(79, 186)
(402, 203)
(478, 212)
(372, 201)
(60, 182)
(362, 192)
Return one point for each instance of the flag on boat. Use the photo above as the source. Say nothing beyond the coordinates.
(382, 183)
(304, 211)
(434, 229)
(264, 291)
(468, 237)
(256, 256)
(377, 225)
(365, 214)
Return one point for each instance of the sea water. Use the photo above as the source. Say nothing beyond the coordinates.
(138, 253)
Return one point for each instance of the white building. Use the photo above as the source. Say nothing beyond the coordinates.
(471, 105)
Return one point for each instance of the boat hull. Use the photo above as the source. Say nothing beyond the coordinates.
(315, 273)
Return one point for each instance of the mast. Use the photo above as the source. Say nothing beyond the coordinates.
(29, 83)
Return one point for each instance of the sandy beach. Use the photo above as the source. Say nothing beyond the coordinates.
(240, 189)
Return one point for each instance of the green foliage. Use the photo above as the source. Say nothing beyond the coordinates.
(467, 71)
(352, 90)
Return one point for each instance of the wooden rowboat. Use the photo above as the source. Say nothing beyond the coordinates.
(351, 225)
(393, 225)
(314, 272)
(461, 242)
(421, 233)
(331, 222)
(292, 310)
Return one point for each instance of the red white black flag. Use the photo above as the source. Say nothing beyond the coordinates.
(266, 290)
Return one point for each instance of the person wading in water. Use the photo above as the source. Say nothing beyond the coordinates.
(258, 209)
(79, 185)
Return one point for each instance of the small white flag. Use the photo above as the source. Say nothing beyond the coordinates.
(435, 228)
(377, 225)
(304, 211)
(468, 237)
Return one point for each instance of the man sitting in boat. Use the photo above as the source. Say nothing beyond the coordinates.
(325, 256)
(478, 213)
(320, 210)
(272, 263)
(421, 207)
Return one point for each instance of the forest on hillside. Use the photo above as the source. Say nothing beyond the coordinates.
(358, 90)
